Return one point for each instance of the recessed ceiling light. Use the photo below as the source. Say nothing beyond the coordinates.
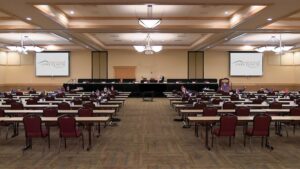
(72, 12)
(226, 12)
(269, 19)
(28, 19)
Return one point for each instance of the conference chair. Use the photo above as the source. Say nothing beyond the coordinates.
(228, 123)
(89, 105)
(77, 102)
(242, 111)
(33, 129)
(228, 105)
(85, 98)
(50, 112)
(50, 98)
(17, 106)
(4, 124)
(85, 112)
(10, 101)
(216, 101)
(60, 95)
(208, 111)
(257, 101)
(31, 101)
(64, 106)
(68, 129)
(261, 128)
(8, 95)
(234, 98)
(19, 93)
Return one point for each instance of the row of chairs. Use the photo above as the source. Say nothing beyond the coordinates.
(261, 123)
(67, 125)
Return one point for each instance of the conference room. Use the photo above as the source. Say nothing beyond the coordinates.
(164, 84)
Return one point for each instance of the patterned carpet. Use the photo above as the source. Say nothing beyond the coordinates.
(148, 138)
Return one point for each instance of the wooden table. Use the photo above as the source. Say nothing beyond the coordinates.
(53, 119)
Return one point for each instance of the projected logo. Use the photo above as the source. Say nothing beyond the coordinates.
(249, 64)
(55, 64)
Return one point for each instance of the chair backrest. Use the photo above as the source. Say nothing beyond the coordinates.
(77, 101)
(50, 112)
(31, 101)
(242, 111)
(205, 98)
(275, 105)
(49, 98)
(234, 98)
(67, 126)
(257, 101)
(210, 111)
(228, 105)
(295, 111)
(64, 106)
(8, 95)
(19, 93)
(89, 105)
(60, 95)
(85, 112)
(32, 126)
(200, 105)
(85, 98)
(261, 125)
(228, 124)
(2, 113)
(10, 101)
(17, 106)
(216, 101)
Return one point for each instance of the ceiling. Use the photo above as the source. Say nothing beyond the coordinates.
(113, 24)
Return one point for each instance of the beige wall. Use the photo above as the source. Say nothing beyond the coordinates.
(170, 63)
(217, 66)
(24, 74)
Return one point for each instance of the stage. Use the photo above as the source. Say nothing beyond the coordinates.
(137, 89)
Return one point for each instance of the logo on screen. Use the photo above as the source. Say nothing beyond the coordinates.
(249, 64)
(55, 64)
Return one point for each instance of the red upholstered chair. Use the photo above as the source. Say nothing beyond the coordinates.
(295, 111)
(227, 127)
(205, 98)
(261, 128)
(257, 101)
(85, 112)
(50, 112)
(16, 106)
(200, 105)
(242, 111)
(234, 98)
(50, 98)
(19, 93)
(10, 101)
(229, 105)
(8, 95)
(210, 111)
(85, 98)
(89, 105)
(68, 129)
(216, 101)
(64, 106)
(60, 95)
(7, 125)
(77, 102)
(33, 129)
(31, 101)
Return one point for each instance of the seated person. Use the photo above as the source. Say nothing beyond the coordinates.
(161, 79)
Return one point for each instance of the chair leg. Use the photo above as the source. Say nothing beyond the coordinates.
(65, 143)
(262, 141)
(294, 129)
(49, 140)
(245, 140)
(229, 141)
(212, 140)
(82, 139)
(59, 144)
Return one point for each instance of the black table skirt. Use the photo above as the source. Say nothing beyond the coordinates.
(138, 89)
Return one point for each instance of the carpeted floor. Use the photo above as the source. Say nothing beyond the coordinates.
(148, 138)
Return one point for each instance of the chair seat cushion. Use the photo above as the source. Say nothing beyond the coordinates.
(44, 133)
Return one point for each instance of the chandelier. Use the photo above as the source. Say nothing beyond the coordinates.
(24, 49)
(148, 49)
(149, 22)
(277, 46)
